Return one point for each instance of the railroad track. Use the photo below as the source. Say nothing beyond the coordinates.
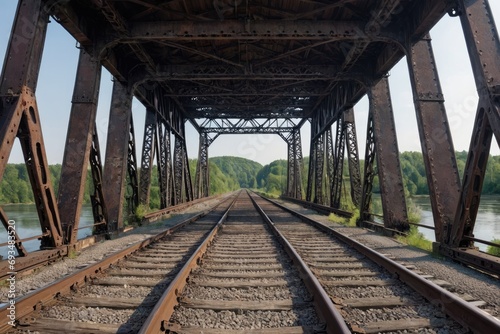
(241, 278)
(374, 293)
(245, 281)
(117, 294)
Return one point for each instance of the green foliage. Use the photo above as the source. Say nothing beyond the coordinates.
(492, 250)
(72, 254)
(414, 212)
(351, 222)
(242, 170)
(140, 211)
(416, 239)
(272, 178)
(231, 173)
(355, 217)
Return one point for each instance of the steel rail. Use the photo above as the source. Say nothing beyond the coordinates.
(152, 216)
(39, 258)
(335, 323)
(158, 318)
(318, 207)
(461, 311)
(31, 302)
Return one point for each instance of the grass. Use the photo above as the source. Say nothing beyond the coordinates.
(344, 221)
(492, 250)
(416, 239)
(72, 254)
(141, 211)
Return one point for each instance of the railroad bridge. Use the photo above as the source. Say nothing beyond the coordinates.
(248, 66)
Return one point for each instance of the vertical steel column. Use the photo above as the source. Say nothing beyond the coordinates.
(387, 152)
(290, 178)
(319, 164)
(133, 180)
(115, 163)
(188, 183)
(202, 178)
(369, 173)
(310, 173)
(19, 112)
(330, 164)
(339, 165)
(78, 144)
(298, 164)
(435, 136)
(148, 154)
(164, 166)
(97, 197)
(295, 164)
(183, 189)
(353, 156)
(481, 36)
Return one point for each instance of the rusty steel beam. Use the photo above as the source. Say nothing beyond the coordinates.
(472, 183)
(353, 156)
(369, 173)
(330, 164)
(202, 177)
(249, 30)
(78, 144)
(183, 188)
(97, 197)
(336, 186)
(437, 144)
(132, 193)
(319, 166)
(295, 163)
(481, 36)
(310, 173)
(148, 154)
(115, 163)
(164, 166)
(20, 117)
(387, 153)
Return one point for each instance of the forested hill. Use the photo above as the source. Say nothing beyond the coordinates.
(240, 169)
(231, 173)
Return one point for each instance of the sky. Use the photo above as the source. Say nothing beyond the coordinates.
(58, 69)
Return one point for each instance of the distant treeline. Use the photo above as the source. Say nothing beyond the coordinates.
(231, 173)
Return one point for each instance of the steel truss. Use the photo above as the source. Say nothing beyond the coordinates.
(20, 117)
(382, 145)
(183, 188)
(295, 163)
(79, 146)
(435, 136)
(148, 154)
(337, 178)
(164, 165)
(353, 156)
(267, 72)
(97, 197)
(330, 152)
(286, 128)
(202, 177)
(117, 154)
(132, 173)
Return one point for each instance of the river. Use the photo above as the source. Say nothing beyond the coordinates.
(487, 222)
(27, 225)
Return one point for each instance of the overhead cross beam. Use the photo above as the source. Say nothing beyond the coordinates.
(252, 125)
(248, 30)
